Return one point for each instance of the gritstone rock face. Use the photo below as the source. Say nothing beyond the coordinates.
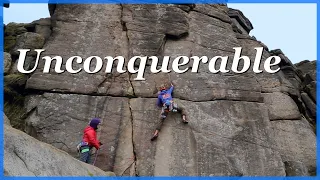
(239, 124)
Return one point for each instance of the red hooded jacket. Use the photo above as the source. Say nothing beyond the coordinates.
(90, 136)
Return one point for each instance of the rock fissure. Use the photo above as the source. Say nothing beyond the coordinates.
(63, 144)
(136, 173)
(147, 97)
(130, 81)
(211, 48)
(212, 16)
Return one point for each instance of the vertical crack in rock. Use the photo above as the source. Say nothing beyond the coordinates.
(134, 94)
(125, 29)
(133, 144)
(29, 126)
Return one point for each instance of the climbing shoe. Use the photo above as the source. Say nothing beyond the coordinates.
(184, 120)
(154, 137)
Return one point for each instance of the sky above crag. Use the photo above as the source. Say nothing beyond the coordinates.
(289, 27)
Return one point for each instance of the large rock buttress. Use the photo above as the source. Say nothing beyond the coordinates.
(240, 124)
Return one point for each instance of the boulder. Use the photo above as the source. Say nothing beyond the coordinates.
(45, 31)
(241, 22)
(28, 40)
(27, 156)
(308, 67)
(14, 29)
(29, 64)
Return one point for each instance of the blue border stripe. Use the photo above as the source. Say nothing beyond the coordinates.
(170, 178)
(142, 2)
(318, 98)
(1, 94)
(160, 1)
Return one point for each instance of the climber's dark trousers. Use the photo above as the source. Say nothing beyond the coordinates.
(164, 115)
(85, 156)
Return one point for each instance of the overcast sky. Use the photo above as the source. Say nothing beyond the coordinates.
(290, 27)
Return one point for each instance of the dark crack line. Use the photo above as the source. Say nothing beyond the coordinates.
(102, 82)
(128, 41)
(134, 94)
(82, 21)
(148, 32)
(126, 96)
(133, 163)
(211, 48)
(215, 17)
(30, 112)
(133, 144)
(60, 142)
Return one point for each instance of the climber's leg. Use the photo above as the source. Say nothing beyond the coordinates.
(85, 154)
(163, 116)
(181, 110)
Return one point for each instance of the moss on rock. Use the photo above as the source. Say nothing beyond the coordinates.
(15, 80)
(28, 40)
(14, 99)
(9, 43)
(13, 29)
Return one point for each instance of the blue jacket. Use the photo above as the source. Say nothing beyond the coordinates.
(164, 95)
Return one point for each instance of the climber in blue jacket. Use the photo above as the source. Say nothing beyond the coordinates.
(164, 96)
(165, 101)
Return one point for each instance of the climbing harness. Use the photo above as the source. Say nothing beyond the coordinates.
(170, 106)
(80, 145)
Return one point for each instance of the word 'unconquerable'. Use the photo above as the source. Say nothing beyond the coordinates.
(142, 61)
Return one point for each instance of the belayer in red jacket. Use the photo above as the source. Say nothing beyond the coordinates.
(89, 140)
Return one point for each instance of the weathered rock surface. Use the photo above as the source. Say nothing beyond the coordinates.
(13, 90)
(309, 71)
(7, 62)
(19, 35)
(281, 106)
(295, 142)
(26, 156)
(6, 120)
(59, 119)
(241, 23)
(308, 67)
(28, 40)
(211, 144)
(294, 168)
(239, 124)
